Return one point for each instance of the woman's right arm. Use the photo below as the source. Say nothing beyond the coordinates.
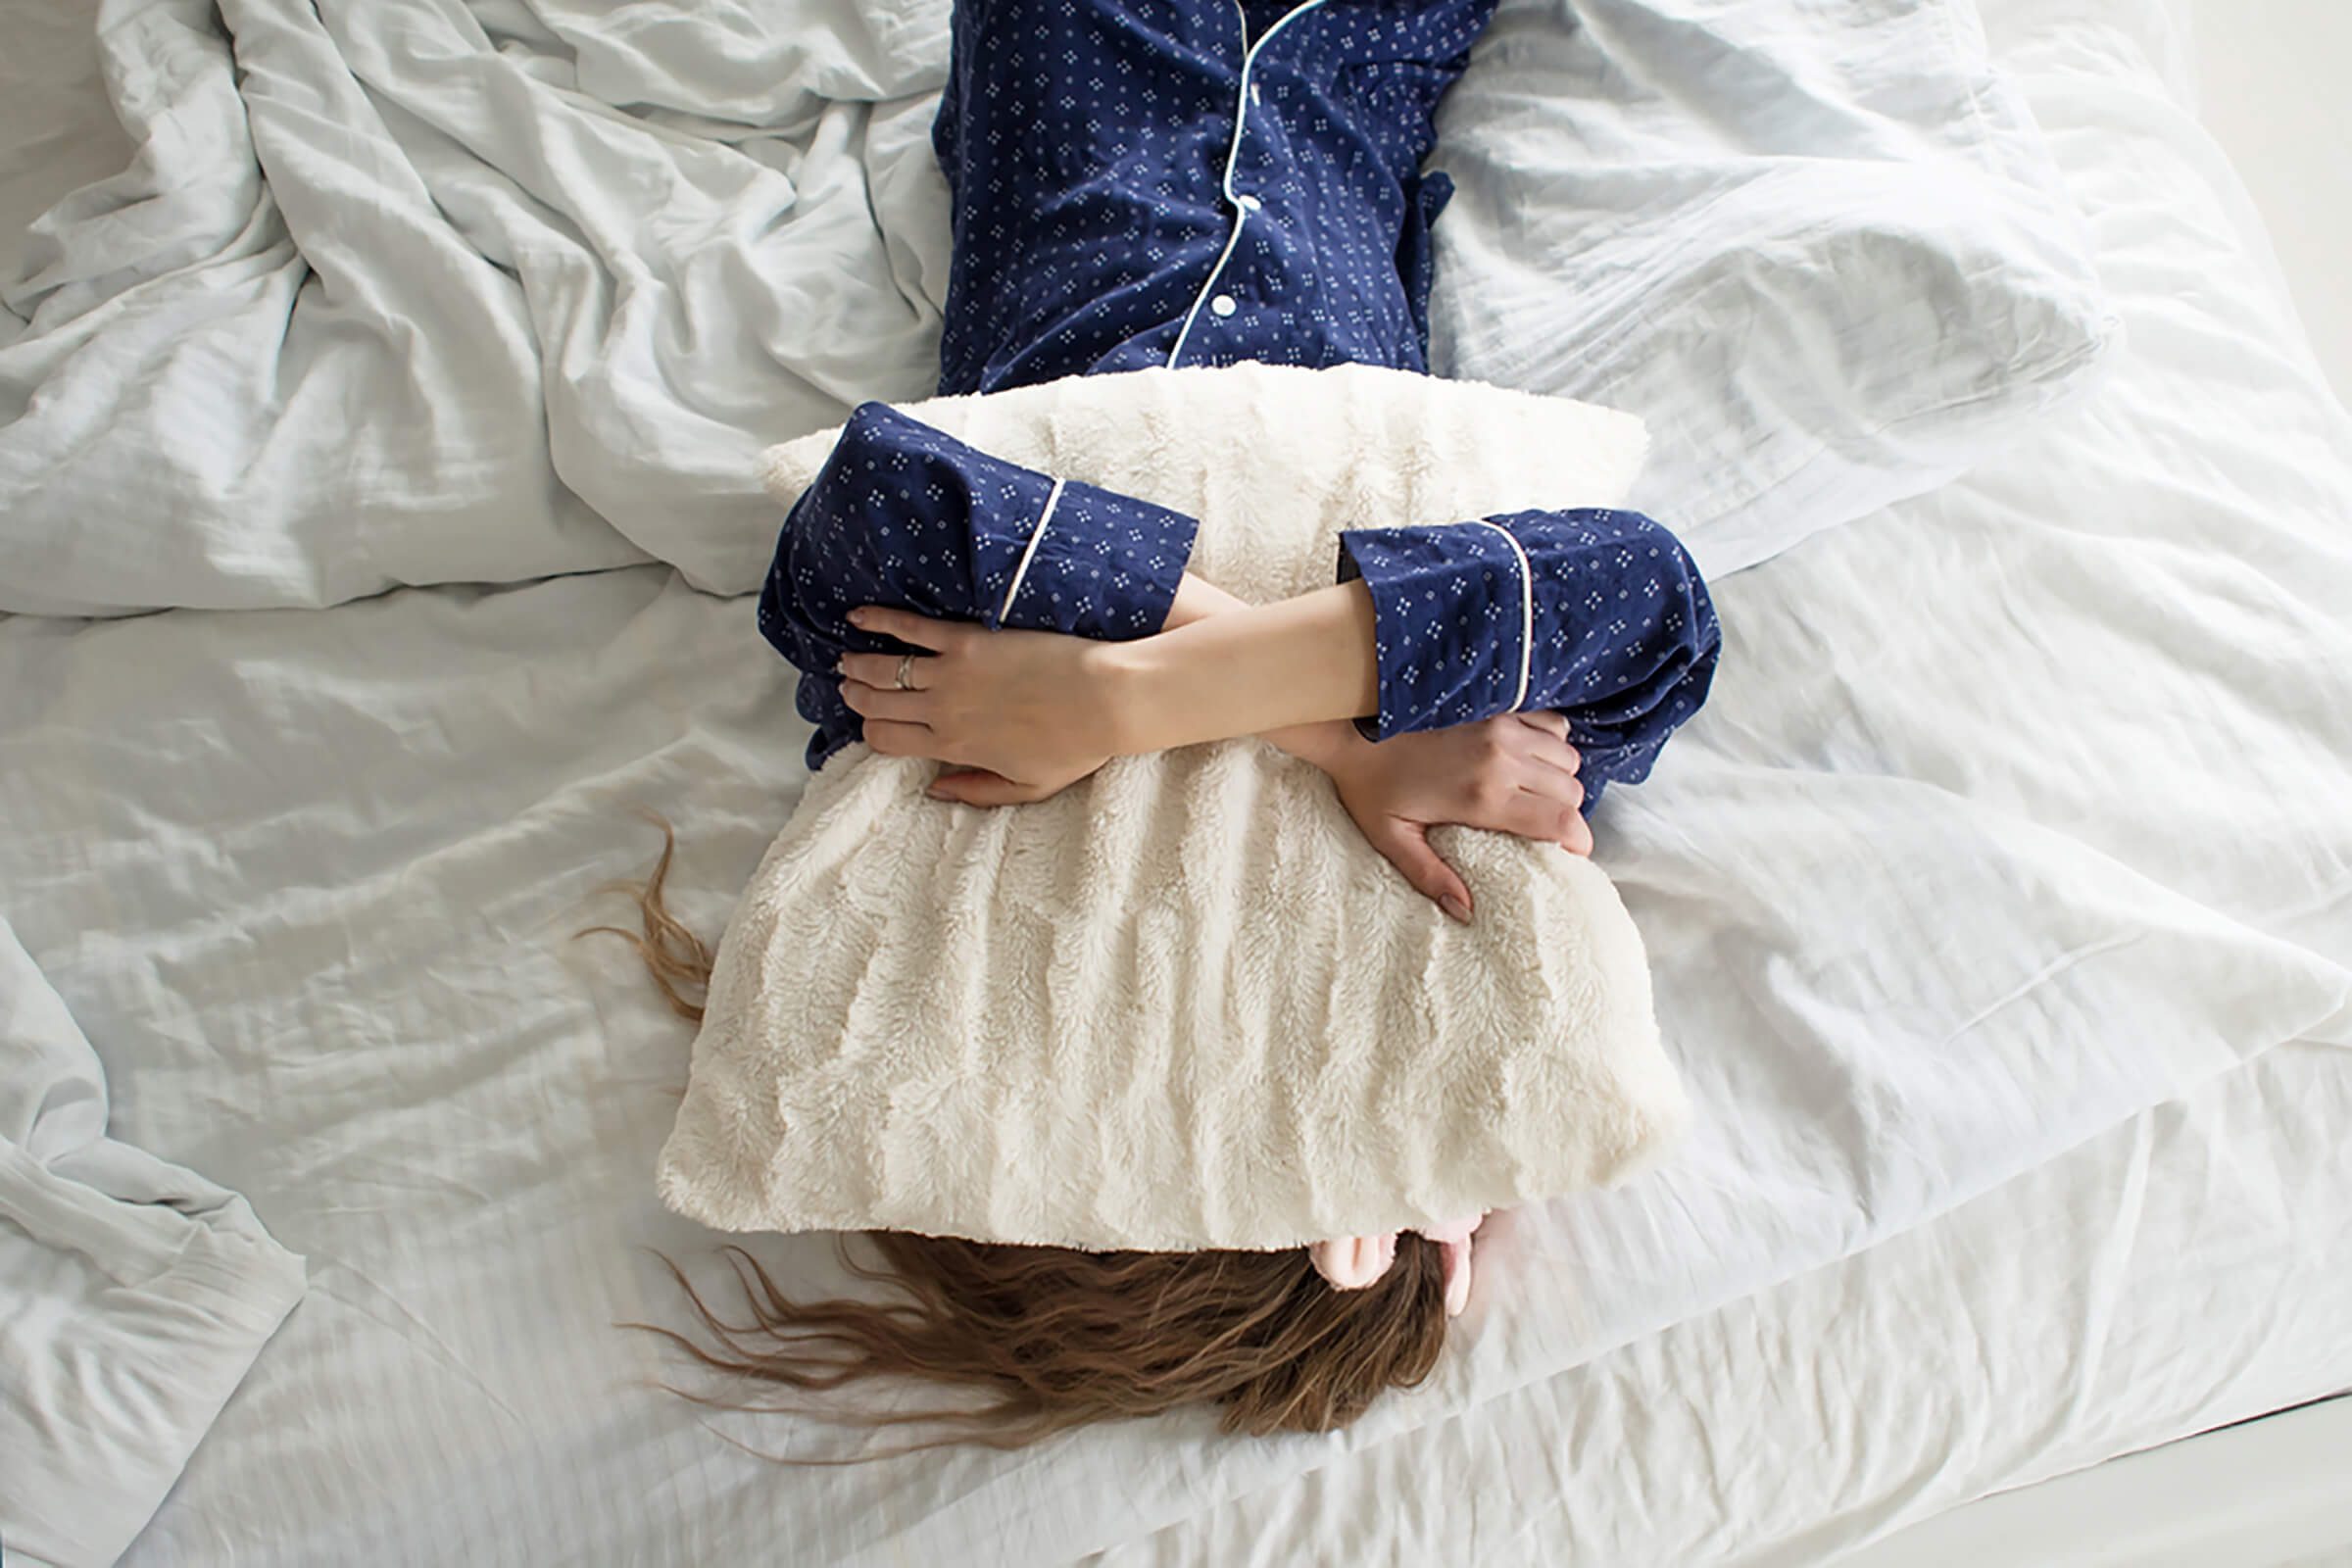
(1514, 773)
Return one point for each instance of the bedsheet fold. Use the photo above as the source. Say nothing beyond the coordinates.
(136, 1296)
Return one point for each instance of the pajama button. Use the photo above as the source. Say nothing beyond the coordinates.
(1222, 305)
(1253, 94)
(1251, 203)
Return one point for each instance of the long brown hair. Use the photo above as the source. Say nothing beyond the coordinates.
(1050, 1338)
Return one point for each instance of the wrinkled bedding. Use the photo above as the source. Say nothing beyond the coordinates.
(136, 1295)
(431, 292)
(394, 294)
(2017, 812)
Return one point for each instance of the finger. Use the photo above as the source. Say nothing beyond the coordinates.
(882, 669)
(1406, 846)
(1531, 815)
(1555, 754)
(894, 739)
(1578, 839)
(1523, 738)
(908, 627)
(883, 702)
(1542, 778)
(1550, 720)
(977, 786)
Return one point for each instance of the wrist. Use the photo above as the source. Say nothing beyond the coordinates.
(1328, 745)
(1121, 675)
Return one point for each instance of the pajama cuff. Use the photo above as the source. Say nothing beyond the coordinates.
(1061, 555)
(1453, 607)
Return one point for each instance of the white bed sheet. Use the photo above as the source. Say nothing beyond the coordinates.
(2188, 1269)
(395, 293)
(2191, 1268)
(322, 866)
(133, 1295)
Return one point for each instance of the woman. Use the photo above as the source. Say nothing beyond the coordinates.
(1180, 182)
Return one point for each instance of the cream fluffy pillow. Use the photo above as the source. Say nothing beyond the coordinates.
(1182, 1005)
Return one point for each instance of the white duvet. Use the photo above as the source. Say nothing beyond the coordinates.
(392, 293)
(2018, 810)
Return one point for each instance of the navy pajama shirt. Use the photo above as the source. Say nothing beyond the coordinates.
(1148, 182)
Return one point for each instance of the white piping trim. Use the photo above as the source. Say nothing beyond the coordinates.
(1233, 154)
(1527, 610)
(1053, 500)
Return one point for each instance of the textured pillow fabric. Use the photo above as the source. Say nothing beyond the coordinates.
(1819, 249)
(1181, 1004)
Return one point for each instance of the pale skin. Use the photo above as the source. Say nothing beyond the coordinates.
(1020, 715)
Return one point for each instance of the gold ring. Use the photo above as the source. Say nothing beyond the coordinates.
(906, 665)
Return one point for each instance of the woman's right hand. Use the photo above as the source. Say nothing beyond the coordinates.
(1019, 716)
(1514, 773)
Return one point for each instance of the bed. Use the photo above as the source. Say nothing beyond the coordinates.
(2030, 1076)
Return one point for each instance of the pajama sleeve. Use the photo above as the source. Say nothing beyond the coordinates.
(904, 514)
(1599, 614)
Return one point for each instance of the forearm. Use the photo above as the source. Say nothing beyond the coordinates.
(1262, 670)
(1597, 614)
(1320, 743)
(1197, 599)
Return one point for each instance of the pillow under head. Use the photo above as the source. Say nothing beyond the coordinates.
(1822, 249)
(1181, 1004)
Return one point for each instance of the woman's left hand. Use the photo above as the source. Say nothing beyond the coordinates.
(1514, 773)
(1021, 715)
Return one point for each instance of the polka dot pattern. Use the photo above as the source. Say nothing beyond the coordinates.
(1097, 229)
(1085, 143)
(906, 515)
(1609, 617)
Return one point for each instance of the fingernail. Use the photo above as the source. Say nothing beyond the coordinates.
(858, 617)
(1455, 907)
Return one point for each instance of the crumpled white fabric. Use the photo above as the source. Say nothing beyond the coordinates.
(1820, 250)
(133, 1294)
(422, 292)
(418, 291)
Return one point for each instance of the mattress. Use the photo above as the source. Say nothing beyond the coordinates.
(306, 879)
